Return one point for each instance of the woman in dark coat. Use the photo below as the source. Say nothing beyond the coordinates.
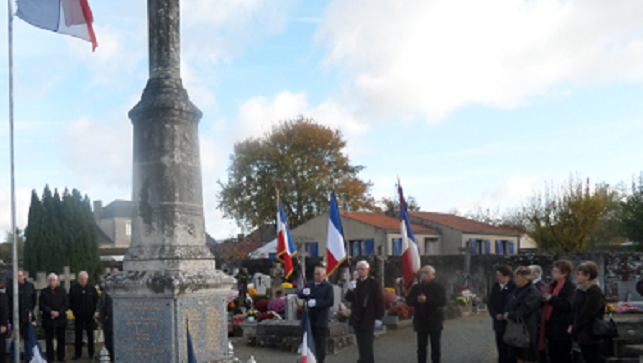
(589, 304)
(523, 305)
(556, 314)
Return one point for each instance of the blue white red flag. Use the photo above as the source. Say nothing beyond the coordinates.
(335, 244)
(34, 354)
(410, 250)
(308, 354)
(285, 246)
(191, 356)
(70, 17)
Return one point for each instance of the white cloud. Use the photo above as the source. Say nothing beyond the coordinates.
(23, 199)
(405, 58)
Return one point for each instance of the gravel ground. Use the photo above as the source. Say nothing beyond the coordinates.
(468, 339)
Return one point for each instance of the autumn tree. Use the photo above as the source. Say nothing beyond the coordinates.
(304, 161)
(630, 214)
(6, 248)
(390, 205)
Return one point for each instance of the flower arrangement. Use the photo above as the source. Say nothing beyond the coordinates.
(624, 308)
(389, 290)
(231, 304)
(286, 285)
(239, 318)
(268, 315)
(295, 284)
(232, 295)
(342, 315)
(261, 306)
(70, 315)
(403, 312)
(611, 298)
(610, 308)
(461, 301)
(252, 313)
(258, 298)
(389, 299)
(252, 292)
(277, 305)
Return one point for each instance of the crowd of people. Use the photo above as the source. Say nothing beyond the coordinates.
(55, 305)
(556, 314)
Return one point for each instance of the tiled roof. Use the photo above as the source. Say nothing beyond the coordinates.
(383, 221)
(235, 249)
(462, 224)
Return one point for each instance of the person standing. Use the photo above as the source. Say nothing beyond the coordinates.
(589, 304)
(556, 314)
(428, 297)
(367, 303)
(4, 317)
(498, 297)
(522, 307)
(538, 282)
(53, 304)
(82, 301)
(106, 321)
(320, 298)
(26, 304)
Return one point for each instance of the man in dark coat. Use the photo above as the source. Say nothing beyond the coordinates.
(497, 301)
(26, 304)
(106, 320)
(320, 298)
(53, 305)
(428, 297)
(367, 305)
(4, 316)
(639, 287)
(82, 301)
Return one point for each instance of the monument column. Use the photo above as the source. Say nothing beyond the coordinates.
(169, 282)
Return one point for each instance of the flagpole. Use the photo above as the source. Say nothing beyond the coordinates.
(16, 317)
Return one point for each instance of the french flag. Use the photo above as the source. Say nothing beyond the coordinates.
(285, 246)
(410, 251)
(308, 354)
(70, 17)
(34, 354)
(335, 244)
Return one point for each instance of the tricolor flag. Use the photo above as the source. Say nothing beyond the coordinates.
(285, 247)
(191, 356)
(410, 252)
(335, 244)
(71, 17)
(308, 354)
(34, 354)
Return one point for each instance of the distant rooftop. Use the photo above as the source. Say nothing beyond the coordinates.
(118, 209)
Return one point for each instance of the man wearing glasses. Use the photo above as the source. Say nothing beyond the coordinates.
(367, 302)
(428, 297)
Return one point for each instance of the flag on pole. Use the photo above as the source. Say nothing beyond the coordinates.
(335, 244)
(34, 348)
(410, 251)
(308, 354)
(191, 356)
(285, 246)
(70, 17)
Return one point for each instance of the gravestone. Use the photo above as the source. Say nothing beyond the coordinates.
(337, 299)
(627, 291)
(67, 277)
(345, 279)
(292, 303)
(276, 277)
(261, 283)
(169, 282)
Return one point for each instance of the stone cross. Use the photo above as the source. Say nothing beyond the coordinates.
(242, 284)
(276, 275)
(467, 262)
(67, 277)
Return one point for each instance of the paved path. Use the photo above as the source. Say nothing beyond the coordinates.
(463, 340)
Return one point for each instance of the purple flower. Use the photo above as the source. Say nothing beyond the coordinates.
(277, 305)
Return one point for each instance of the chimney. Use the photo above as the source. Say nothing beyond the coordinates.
(98, 210)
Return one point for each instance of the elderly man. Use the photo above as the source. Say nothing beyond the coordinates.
(320, 297)
(26, 304)
(53, 305)
(540, 285)
(82, 301)
(367, 302)
(428, 297)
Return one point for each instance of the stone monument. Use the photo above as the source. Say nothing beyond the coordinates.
(242, 285)
(276, 277)
(169, 283)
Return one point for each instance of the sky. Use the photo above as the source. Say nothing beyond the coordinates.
(473, 104)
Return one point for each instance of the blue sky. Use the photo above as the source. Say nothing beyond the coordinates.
(471, 103)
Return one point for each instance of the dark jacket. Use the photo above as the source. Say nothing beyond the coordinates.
(497, 303)
(106, 313)
(367, 303)
(639, 287)
(82, 301)
(26, 300)
(557, 325)
(589, 303)
(4, 310)
(524, 303)
(324, 300)
(428, 317)
(541, 286)
(54, 300)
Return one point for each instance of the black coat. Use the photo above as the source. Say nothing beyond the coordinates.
(497, 303)
(428, 317)
(55, 300)
(557, 325)
(367, 304)
(82, 301)
(26, 300)
(524, 303)
(324, 300)
(588, 304)
(106, 313)
(4, 310)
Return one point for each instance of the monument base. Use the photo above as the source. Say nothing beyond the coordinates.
(153, 311)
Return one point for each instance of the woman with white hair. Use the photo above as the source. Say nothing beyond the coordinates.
(53, 306)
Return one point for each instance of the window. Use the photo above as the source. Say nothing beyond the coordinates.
(128, 229)
(355, 247)
(397, 246)
(430, 246)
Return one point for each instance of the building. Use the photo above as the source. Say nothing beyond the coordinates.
(369, 233)
(114, 225)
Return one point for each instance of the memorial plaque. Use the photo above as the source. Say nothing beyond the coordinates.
(206, 319)
(143, 328)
